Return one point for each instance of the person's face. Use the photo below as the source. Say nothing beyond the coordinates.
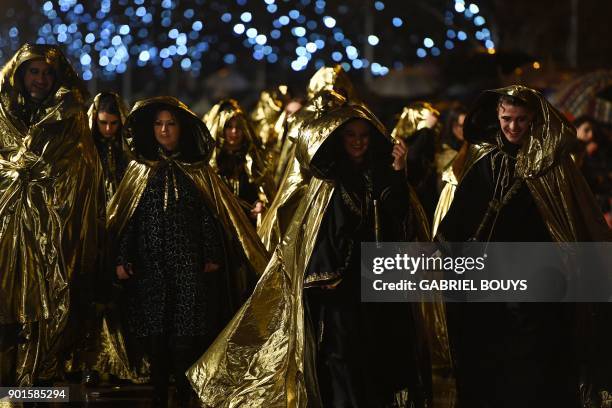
(233, 134)
(458, 127)
(167, 130)
(38, 79)
(108, 124)
(356, 139)
(514, 122)
(585, 132)
(292, 107)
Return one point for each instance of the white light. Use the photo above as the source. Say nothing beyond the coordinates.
(474, 8)
(428, 42)
(375, 68)
(296, 66)
(489, 44)
(85, 59)
(397, 22)
(284, 20)
(311, 47)
(302, 60)
(299, 31)
(144, 56)
(373, 40)
(462, 36)
(329, 22)
(261, 39)
(351, 52)
(173, 33)
(251, 33)
(239, 28)
(479, 20)
(246, 17)
(459, 7)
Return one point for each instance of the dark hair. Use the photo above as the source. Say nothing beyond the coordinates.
(452, 117)
(20, 75)
(108, 103)
(513, 101)
(582, 119)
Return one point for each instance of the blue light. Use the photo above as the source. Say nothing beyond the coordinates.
(181, 50)
(167, 63)
(302, 41)
(435, 51)
(85, 59)
(167, 4)
(448, 44)
(272, 8)
(338, 36)
(144, 56)
(48, 6)
(13, 32)
(173, 33)
(251, 33)
(373, 40)
(379, 5)
(294, 14)
(87, 75)
(276, 23)
(336, 56)
(78, 9)
(267, 50)
(421, 53)
(104, 60)
(397, 22)
(141, 11)
(302, 60)
(298, 31)
(197, 25)
(246, 17)
(124, 30)
(272, 58)
(284, 20)
(276, 34)
(461, 36)
(357, 64)
(164, 53)
(329, 22)
(346, 66)
(229, 58)
(189, 13)
(300, 51)
(121, 68)
(172, 50)
(62, 37)
(147, 18)
(182, 39)
(72, 28)
(451, 34)
(489, 44)
(241, 2)
(186, 64)
(239, 28)
(129, 12)
(258, 55)
(226, 17)
(312, 25)
(479, 20)
(351, 52)
(479, 36)
(468, 14)
(116, 41)
(320, 44)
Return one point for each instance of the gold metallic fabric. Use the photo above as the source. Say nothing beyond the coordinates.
(51, 213)
(216, 119)
(264, 357)
(413, 117)
(563, 198)
(332, 79)
(266, 114)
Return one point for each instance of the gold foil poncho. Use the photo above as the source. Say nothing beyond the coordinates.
(263, 358)
(51, 213)
(216, 119)
(295, 178)
(415, 116)
(543, 161)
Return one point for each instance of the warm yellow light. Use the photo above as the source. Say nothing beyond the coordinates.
(491, 50)
(536, 65)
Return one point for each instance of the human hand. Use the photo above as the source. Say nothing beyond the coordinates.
(257, 209)
(400, 151)
(123, 273)
(211, 267)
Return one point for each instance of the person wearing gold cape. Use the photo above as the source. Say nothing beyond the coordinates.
(417, 126)
(295, 177)
(237, 156)
(273, 352)
(51, 214)
(185, 251)
(519, 185)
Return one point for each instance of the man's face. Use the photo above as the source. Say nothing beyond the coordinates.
(514, 122)
(38, 79)
(108, 124)
(356, 139)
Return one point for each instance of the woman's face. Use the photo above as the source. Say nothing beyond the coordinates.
(233, 134)
(167, 130)
(458, 127)
(585, 132)
(356, 139)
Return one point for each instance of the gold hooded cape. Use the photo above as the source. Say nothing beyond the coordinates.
(216, 119)
(295, 178)
(51, 213)
(92, 113)
(268, 118)
(262, 358)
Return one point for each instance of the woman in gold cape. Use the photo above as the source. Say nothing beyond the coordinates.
(243, 170)
(265, 356)
(295, 177)
(243, 256)
(51, 216)
(513, 354)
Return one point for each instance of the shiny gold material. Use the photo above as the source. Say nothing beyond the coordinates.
(51, 213)
(263, 358)
(414, 117)
(543, 162)
(266, 115)
(215, 120)
(295, 178)
(109, 185)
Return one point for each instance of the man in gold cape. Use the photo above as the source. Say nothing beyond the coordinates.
(244, 255)
(514, 354)
(265, 356)
(295, 178)
(216, 120)
(51, 214)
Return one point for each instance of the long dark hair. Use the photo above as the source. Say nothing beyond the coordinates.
(452, 117)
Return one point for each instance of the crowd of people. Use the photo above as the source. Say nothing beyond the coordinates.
(223, 252)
